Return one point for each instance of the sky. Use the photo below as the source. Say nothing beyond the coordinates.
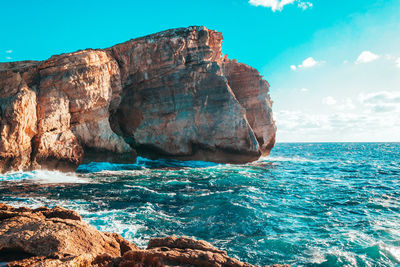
(333, 65)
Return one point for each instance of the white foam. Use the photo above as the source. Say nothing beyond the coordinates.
(214, 193)
(348, 256)
(287, 159)
(174, 181)
(149, 190)
(394, 251)
(317, 256)
(44, 177)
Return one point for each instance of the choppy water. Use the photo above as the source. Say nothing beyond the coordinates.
(330, 204)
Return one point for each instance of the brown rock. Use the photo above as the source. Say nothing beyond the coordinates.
(54, 114)
(123, 244)
(54, 237)
(75, 93)
(170, 94)
(252, 93)
(182, 242)
(58, 237)
(17, 114)
(182, 251)
(178, 102)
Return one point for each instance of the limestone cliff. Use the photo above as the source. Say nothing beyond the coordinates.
(170, 94)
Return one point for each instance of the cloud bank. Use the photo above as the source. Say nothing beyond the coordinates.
(347, 120)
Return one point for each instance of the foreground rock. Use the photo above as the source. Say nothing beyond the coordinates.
(170, 94)
(58, 237)
(53, 237)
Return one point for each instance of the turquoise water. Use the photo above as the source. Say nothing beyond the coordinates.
(328, 204)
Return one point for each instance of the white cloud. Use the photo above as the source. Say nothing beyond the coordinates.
(304, 89)
(346, 104)
(8, 58)
(329, 100)
(398, 62)
(290, 120)
(388, 57)
(307, 63)
(383, 97)
(279, 4)
(304, 5)
(356, 126)
(9, 51)
(382, 101)
(366, 57)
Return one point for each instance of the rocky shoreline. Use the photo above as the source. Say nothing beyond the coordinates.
(167, 95)
(171, 94)
(59, 237)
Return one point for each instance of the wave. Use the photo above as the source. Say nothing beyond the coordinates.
(288, 159)
(44, 177)
(143, 163)
(143, 188)
(391, 251)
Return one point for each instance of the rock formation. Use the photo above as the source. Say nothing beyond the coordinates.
(58, 237)
(170, 94)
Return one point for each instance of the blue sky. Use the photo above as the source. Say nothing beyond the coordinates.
(333, 65)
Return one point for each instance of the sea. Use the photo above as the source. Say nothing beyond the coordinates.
(307, 204)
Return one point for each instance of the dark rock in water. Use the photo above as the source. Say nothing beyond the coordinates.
(170, 94)
(58, 237)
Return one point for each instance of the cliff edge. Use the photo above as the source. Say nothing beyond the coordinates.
(171, 94)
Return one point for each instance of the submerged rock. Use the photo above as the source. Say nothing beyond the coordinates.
(58, 237)
(171, 94)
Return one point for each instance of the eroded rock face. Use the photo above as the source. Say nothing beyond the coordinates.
(18, 118)
(179, 99)
(75, 93)
(58, 237)
(55, 114)
(169, 94)
(252, 93)
(53, 237)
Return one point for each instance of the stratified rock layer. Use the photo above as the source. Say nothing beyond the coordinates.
(58, 237)
(169, 94)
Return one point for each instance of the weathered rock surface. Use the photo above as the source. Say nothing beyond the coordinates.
(18, 119)
(53, 237)
(58, 237)
(252, 93)
(170, 94)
